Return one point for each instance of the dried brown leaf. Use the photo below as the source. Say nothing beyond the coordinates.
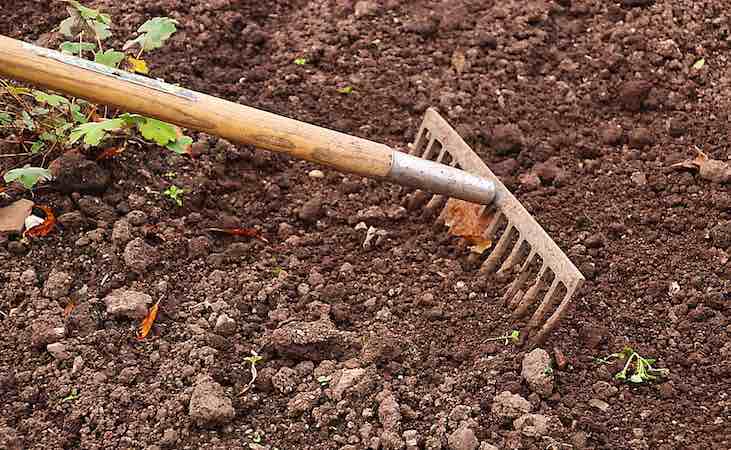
(44, 228)
(148, 322)
(464, 220)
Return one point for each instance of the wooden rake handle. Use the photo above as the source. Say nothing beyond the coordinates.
(238, 123)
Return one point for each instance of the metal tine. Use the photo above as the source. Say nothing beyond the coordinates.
(554, 319)
(521, 278)
(494, 223)
(419, 141)
(430, 147)
(489, 232)
(530, 296)
(512, 258)
(502, 244)
(545, 305)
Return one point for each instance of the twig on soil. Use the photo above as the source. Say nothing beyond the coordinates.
(10, 155)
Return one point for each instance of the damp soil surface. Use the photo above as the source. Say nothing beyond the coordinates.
(579, 106)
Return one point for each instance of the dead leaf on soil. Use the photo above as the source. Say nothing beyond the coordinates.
(459, 61)
(147, 323)
(138, 65)
(464, 220)
(44, 228)
(245, 232)
(709, 169)
(110, 153)
(68, 309)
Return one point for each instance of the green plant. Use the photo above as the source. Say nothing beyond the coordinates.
(28, 176)
(73, 395)
(44, 121)
(513, 337)
(345, 90)
(324, 380)
(254, 359)
(300, 61)
(175, 194)
(643, 370)
(257, 438)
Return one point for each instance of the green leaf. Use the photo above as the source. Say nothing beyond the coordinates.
(30, 125)
(5, 118)
(47, 136)
(28, 176)
(74, 395)
(110, 58)
(346, 90)
(95, 132)
(698, 65)
(88, 13)
(636, 378)
(76, 114)
(101, 30)
(181, 146)
(176, 194)
(51, 99)
(154, 34)
(75, 48)
(158, 131)
(300, 61)
(68, 25)
(37, 146)
(253, 360)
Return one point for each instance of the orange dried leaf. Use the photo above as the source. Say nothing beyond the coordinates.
(68, 309)
(147, 323)
(245, 232)
(464, 220)
(43, 229)
(110, 153)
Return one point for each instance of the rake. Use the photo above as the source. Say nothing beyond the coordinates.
(440, 166)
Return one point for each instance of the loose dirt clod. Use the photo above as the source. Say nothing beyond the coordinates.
(209, 405)
(537, 372)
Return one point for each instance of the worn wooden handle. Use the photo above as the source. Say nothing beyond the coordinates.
(242, 124)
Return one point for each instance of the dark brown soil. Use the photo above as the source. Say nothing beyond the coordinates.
(596, 98)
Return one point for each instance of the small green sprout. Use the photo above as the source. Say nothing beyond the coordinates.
(324, 380)
(74, 395)
(300, 61)
(257, 438)
(643, 370)
(346, 90)
(175, 194)
(254, 359)
(170, 175)
(513, 337)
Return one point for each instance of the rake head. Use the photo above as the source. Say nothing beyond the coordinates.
(523, 248)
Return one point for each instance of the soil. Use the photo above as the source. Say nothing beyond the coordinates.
(580, 106)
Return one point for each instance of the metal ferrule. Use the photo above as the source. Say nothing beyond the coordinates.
(439, 178)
